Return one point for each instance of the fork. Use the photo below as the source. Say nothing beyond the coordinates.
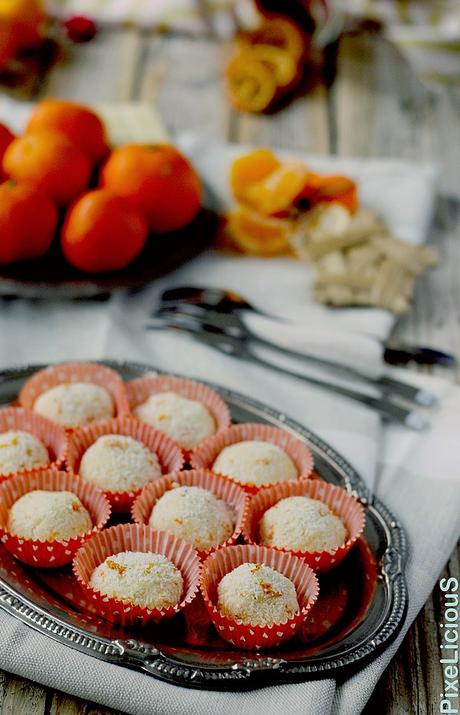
(231, 325)
(234, 347)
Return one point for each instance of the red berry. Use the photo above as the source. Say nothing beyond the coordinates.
(80, 28)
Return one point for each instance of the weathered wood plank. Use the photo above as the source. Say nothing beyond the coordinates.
(303, 126)
(185, 78)
(21, 697)
(103, 70)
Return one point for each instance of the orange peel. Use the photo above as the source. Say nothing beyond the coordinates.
(276, 192)
(252, 85)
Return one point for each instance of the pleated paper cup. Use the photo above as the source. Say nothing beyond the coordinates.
(169, 454)
(52, 436)
(54, 375)
(204, 456)
(255, 637)
(57, 552)
(135, 537)
(142, 388)
(346, 507)
(233, 496)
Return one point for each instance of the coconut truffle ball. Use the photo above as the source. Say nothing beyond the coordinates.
(187, 422)
(255, 462)
(46, 516)
(257, 595)
(194, 514)
(301, 524)
(116, 462)
(144, 579)
(21, 450)
(75, 404)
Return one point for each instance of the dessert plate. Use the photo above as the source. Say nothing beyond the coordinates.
(361, 607)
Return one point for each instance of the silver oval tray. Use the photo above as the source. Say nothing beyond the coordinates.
(367, 593)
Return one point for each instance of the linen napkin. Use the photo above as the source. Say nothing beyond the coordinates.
(416, 475)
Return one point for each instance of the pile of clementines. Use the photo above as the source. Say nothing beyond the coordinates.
(61, 181)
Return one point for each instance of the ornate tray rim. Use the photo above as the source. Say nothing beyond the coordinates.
(135, 654)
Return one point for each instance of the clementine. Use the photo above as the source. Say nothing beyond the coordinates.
(250, 168)
(160, 181)
(28, 220)
(103, 232)
(50, 162)
(78, 123)
(256, 234)
(6, 137)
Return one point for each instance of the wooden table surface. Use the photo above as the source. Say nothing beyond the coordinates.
(376, 107)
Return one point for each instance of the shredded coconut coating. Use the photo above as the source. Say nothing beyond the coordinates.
(255, 462)
(75, 404)
(47, 516)
(302, 524)
(257, 595)
(187, 422)
(119, 463)
(21, 450)
(195, 515)
(144, 579)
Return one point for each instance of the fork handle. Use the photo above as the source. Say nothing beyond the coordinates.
(388, 385)
(386, 408)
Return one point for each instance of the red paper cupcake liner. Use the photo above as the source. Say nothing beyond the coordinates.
(135, 537)
(139, 391)
(223, 488)
(52, 436)
(50, 554)
(346, 507)
(101, 375)
(169, 454)
(206, 453)
(256, 637)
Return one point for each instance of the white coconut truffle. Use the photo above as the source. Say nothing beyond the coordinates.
(75, 403)
(257, 595)
(144, 579)
(21, 450)
(187, 422)
(301, 524)
(47, 516)
(194, 514)
(119, 463)
(255, 462)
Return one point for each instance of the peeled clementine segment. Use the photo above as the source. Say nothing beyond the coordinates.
(250, 168)
(258, 235)
(279, 61)
(252, 85)
(276, 192)
(279, 32)
(320, 189)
